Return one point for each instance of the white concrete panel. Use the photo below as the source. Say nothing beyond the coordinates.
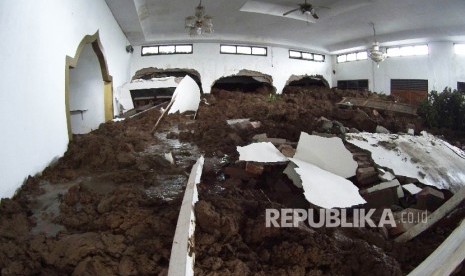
(412, 188)
(327, 153)
(426, 158)
(186, 96)
(264, 152)
(326, 189)
(39, 35)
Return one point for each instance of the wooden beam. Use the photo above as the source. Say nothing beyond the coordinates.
(434, 217)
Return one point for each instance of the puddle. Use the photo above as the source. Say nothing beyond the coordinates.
(169, 187)
(185, 154)
(46, 208)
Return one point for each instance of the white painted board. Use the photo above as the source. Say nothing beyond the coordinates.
(327, 153)
(264, 152)
(412, 188)
(186, 95)
(326, 189)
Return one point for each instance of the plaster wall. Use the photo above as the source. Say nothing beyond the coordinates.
(38, 35)
(442, 67)
(212, 65)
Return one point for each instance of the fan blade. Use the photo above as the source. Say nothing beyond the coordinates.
(291, 11)
(263, 7)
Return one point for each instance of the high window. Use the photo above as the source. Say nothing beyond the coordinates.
(352, 57)
(416, 50)
(306, 56)
(167, 49)
(243, 50)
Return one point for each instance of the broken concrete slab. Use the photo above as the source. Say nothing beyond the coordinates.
(383, 195)
(327, 153)
(187, 96)
(426, 158)
(182, 252)
(326, 189)
(406, 219)
(412, 188)
(429, 199)
(264, 152)
(386, 175)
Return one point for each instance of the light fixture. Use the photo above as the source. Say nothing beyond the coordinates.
(376, 53)
(200, 23)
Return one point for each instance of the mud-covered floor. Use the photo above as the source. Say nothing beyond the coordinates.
(110, 205)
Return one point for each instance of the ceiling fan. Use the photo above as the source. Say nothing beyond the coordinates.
(305, 8)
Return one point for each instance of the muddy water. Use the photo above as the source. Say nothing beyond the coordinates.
(46, 208)
(166, 185)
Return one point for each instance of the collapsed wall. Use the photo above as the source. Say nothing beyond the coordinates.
(304, 81)
(245, 81)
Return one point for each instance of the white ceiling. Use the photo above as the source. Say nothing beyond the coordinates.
(345, 26)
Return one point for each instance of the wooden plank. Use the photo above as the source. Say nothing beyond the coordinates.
(434, 217)
(445, 259)
(380, 104)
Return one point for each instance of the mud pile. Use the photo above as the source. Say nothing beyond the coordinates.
(231, 239)
(231, 236)
(110, 205)
(283, 116)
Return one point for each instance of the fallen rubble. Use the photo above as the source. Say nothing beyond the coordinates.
(112, 202)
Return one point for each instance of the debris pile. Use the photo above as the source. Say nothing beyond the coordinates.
(111, 204)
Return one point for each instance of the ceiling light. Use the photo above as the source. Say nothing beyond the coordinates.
(200, 23)
(376, 53)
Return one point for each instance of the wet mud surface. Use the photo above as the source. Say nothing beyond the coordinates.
(110, 205)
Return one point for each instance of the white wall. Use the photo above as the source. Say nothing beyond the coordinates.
(36, 37)
(212, 65)
(442, 67)
(86, 93)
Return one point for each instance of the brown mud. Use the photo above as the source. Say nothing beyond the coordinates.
(110, 205)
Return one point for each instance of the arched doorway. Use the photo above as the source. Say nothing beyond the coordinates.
(88, 88)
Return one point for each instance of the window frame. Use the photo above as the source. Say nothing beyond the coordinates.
(401, 54)
(356, 54)
(166, 45)
(302, 53)
(459, 49)
(251, 47)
